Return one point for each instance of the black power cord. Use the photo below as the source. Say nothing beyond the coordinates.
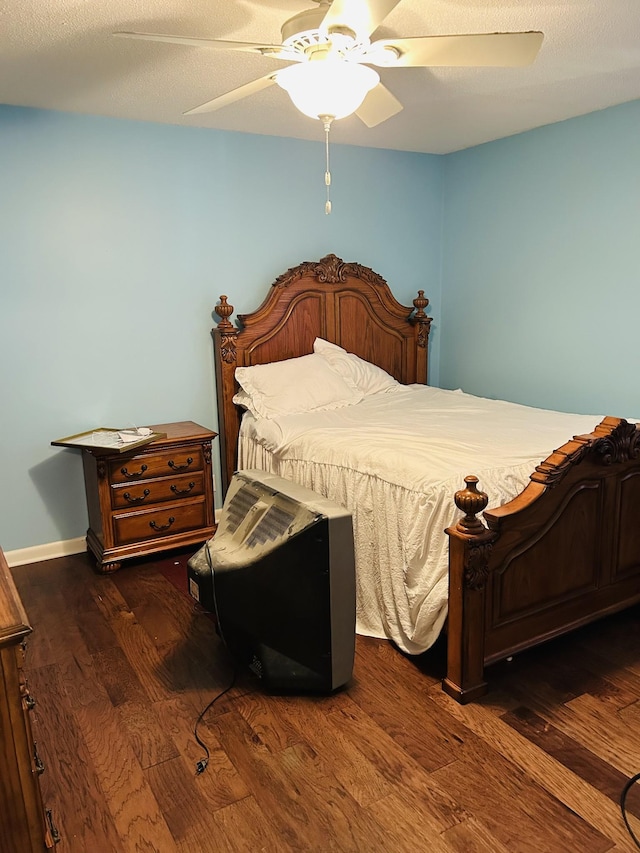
(623, 807)
(201, 765)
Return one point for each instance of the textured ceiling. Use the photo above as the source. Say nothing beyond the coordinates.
(61, 55)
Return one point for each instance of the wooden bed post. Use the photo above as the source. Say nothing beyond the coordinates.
(470, 544)
(422, 326)
(225, 336)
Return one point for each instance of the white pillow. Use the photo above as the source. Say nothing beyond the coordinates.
(304, 384)
(241, 398)
(361, 374)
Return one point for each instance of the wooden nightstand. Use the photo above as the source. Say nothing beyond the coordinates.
(154, 498)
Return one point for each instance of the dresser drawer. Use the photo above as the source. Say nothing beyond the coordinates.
(131, 495)
(158, 521)
(146, 466)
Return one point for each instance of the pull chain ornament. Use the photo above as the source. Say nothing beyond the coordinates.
(326, 120)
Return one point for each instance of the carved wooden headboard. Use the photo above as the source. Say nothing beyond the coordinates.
(345, 303)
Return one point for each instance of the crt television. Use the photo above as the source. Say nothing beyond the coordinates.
(279, 575)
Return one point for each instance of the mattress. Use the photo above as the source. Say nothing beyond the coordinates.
(395, 461)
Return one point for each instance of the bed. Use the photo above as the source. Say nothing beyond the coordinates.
(560, 545)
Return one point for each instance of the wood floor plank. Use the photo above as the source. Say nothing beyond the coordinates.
(185, 810)
(138, 818)
(403, 714)
(371, 764)
(123, 664)
(342, 825)
(158, 679)
(500, 795)
(277, 797)
(568, 752)
(70, 783)
(288, 787)
(241, 828)
(220, 785)
(590, 721)
(407, 821)
(622, 647)
(152, 598)
(615, 683)
(58, 638)
(471, 836)
(570, 790)
(272, 717)
(330, 738)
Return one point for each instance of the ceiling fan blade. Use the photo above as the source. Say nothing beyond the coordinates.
(234, 95)
(482, 49)
(216, 44)
(361, 16)
(378, 106)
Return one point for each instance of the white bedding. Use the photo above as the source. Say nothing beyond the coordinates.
(395, 460)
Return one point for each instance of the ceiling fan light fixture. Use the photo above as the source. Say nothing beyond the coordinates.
(327, 87)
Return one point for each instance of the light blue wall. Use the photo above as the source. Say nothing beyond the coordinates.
(116, 239)
(541, 266)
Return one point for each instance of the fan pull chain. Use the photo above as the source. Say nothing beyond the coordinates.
(327, 175)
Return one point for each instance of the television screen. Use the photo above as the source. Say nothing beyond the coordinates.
(280, 578)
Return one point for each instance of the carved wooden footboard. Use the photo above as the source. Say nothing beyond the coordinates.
(564, 552)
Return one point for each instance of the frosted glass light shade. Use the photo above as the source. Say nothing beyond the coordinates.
(330, 87)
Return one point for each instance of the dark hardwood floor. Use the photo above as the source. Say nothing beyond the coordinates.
(121, 665)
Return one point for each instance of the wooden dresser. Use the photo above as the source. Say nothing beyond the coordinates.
(25, 827)
(157, 497)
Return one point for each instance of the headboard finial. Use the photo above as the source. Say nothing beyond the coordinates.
(224, 311)
(420, 303)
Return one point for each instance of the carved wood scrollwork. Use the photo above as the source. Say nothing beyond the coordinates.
(102, 469)
(228, 348)
(329, 270)
(476, 565)
(613, 441)
(621, 445)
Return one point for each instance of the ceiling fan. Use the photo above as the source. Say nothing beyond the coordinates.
(330, 52)
(330, 55)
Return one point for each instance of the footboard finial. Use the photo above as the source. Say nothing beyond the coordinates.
(470, 545)
(471, 501)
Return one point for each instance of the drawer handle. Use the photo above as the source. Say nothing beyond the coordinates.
(30, 702)
(55, 835)
(37, 761)
(177, 491)
(175, 467)
(138, 500)
(159, 527)
(139, 473)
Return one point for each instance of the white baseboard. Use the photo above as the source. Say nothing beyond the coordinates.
(46, 552)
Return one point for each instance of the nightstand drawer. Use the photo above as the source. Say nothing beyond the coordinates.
(146, 466)
(156, 522)
(155, 491)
